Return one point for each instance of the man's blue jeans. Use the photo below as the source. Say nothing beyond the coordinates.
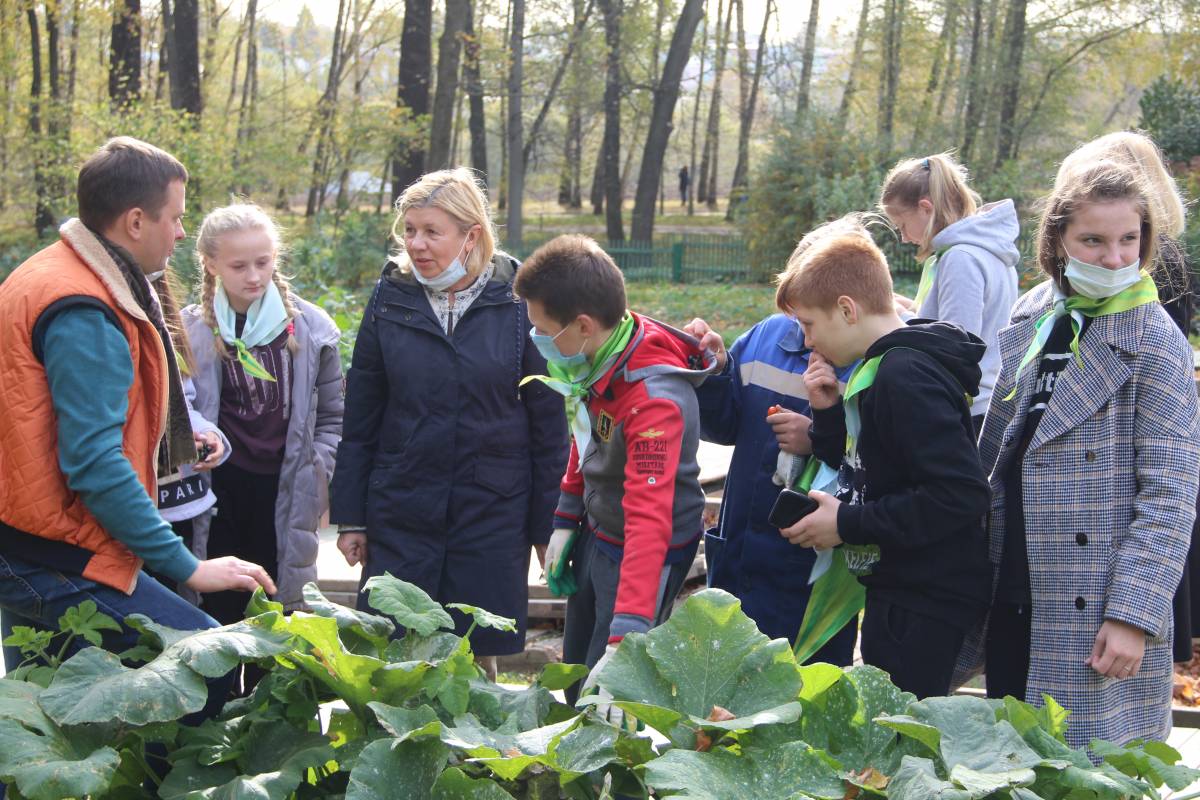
(35, 595)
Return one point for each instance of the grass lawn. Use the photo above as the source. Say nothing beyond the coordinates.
(730, 309)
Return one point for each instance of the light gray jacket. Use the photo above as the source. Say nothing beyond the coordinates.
(976, 283)
(314, 430)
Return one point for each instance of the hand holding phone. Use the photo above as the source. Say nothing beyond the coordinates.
(791, 507)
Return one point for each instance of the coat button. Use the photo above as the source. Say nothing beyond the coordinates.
(1081, 539)
(1080, 603)
(1090, 455)
(408, 315)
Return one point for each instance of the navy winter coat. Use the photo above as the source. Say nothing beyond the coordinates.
(453, 470)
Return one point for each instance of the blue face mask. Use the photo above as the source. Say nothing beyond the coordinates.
(447, 277)
(549, 350)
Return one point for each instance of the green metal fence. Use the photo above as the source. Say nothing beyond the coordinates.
(715, 258)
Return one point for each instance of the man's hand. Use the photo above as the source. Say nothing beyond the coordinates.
(709, 340)
(211, 443)
(1118, 650)
(229, 573)
(821, 382)
(819, 529)
(791, 431)
(353, 547)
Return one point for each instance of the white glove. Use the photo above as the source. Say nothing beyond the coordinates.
(605, 710)
(554, 550)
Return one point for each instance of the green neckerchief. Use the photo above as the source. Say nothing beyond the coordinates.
(574, 383)
(250, 364)
(928, 276)
(1077, 306)
(859, 558)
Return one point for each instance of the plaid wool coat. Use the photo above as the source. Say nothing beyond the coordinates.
(1109, 482)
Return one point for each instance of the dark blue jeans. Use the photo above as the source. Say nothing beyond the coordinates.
(35, 595)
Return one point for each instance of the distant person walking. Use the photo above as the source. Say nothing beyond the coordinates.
(685, 183)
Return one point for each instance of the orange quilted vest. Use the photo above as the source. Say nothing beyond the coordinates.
(34, 496)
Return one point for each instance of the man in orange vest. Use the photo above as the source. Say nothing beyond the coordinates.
(93, 410)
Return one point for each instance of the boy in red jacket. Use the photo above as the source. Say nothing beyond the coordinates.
(629, 517)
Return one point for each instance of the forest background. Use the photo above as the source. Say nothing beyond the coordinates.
(579, 115)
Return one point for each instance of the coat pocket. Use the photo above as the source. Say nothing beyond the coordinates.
(503, 475)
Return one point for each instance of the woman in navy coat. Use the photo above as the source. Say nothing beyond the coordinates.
(448, 469)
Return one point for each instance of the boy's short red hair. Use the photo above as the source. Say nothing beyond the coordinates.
(845, 265)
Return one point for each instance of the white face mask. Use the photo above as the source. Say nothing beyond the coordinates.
(447, 277)
(1098, 283)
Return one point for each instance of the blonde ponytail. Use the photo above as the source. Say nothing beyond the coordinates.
(937, 178)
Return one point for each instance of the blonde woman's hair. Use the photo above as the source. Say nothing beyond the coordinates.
(938, 178)
(234, 219)
(1104, 181)
(1137, 150)
(461, 195)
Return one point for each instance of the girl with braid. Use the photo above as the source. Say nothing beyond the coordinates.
(267, 373)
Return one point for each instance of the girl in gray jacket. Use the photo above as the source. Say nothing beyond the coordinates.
(267, 373)
(969, 251)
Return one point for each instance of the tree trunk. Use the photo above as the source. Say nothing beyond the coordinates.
(691, 190)
(893, 28)
(233, 73)
(597, 193)
(741, 172)
(810, 46)
(515, 131)
(164, 54)
(946, 43)
(412, 91)
(569, 190)
(446, 87)
(326, 108)
(611, 148)
(184, 46)
(714, 111)
(246, 109)
(43, 219)
(474, 85)
(73, 54)
(212, 27)
(974, 107)
(559, 71)
(125, 55)
(848, 91)
(713, 135)
(1010, 85)
(665, 96)
(951, 65)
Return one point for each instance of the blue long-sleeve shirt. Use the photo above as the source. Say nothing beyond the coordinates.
(90, 372)
(746, 555)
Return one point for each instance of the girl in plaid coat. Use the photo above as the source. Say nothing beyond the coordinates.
(1092, 447)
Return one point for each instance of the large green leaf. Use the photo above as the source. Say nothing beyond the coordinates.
(454, 784)
(407, 723)
(791, 770)
(216, 651)
(45, 761)
(371, 627)
(506, 754)
(973, 737)
(94, 687)
(708, 655)
(328, 661)
(388, 769)
(407, 604)
(485, 619)
(274, 762)
(917, 779)
(509, 709)
(1158, 762)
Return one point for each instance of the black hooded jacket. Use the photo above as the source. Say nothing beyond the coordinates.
(920, 491)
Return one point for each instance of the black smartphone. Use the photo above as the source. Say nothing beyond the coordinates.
(791, 507)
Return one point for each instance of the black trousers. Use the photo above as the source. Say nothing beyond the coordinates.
(917, 651)
(244, 526)
(1007, 662)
